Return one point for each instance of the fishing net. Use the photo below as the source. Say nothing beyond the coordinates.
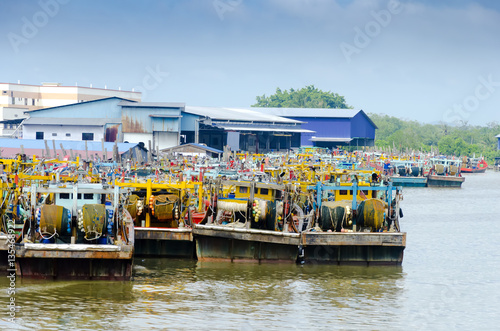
(232, 205)
(371, 213)
(453, 170)
(162, 206)
(334, 215)
(131, 204)
(439, 169)
(94, 218)
(51, 219)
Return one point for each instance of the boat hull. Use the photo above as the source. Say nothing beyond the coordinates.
(473, 171)
(4, 255)
(164, 242)
(219, 243)
(359, 248)
(409, 181)
(74, 261)
(445, 181)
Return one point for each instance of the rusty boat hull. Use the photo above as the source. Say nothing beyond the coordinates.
(444, 181)
(222, 243)
(164, 242)
(74, 261)
(354, 248)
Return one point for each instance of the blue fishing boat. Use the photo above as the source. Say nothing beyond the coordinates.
(77, 231)
(364, 231)
(408, 174)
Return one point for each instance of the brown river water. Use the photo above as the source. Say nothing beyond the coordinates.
(449, 280)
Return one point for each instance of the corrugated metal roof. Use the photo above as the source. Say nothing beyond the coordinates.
(331, 139)
(152, 104)
(203, 147)
(308, 112)
(76, 103)
(165, 116)
(71, 121)
(67, 144)
(237, 114)
(262, 128)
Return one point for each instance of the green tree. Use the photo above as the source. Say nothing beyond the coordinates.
(459, 140)
(306, 97)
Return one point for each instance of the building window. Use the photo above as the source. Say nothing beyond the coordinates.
(39, 135)
(54, 134)
(25, 101)
(32, 102)
(68, 134)
(87, 136)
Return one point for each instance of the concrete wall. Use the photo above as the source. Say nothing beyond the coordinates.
(137, 138)
(165, 139)
(53, 95)
(62, 132)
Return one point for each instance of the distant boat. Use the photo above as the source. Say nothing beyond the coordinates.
(409, 174)
(474, 165)
(445, 173)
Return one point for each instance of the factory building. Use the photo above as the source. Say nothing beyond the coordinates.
(330, 127)
(16, 99)
(161, 125)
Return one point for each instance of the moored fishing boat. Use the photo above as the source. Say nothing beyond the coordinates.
(473, 165)
(163, 217)
(248, 223)
(445, 173)
(350, 233)
(75, 231)
(408, 174)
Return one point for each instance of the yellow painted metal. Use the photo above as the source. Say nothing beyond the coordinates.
(182, 187)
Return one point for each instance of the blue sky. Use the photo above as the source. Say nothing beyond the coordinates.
(412, 59)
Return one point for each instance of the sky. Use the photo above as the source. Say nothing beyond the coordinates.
(423, 60)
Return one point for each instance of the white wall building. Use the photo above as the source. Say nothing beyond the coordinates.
(15, 99)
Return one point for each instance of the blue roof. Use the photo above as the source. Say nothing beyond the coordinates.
(79, 103)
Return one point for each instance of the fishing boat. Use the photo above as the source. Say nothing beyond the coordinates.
(247, 221)
(408, 174)
(163, 215)
(445, 173)
(358, 223)
(473, 165)
(75, 231)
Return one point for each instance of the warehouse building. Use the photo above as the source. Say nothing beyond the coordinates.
(330, 127)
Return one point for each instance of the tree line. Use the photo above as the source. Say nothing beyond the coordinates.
(395, 133)
(456, 140)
